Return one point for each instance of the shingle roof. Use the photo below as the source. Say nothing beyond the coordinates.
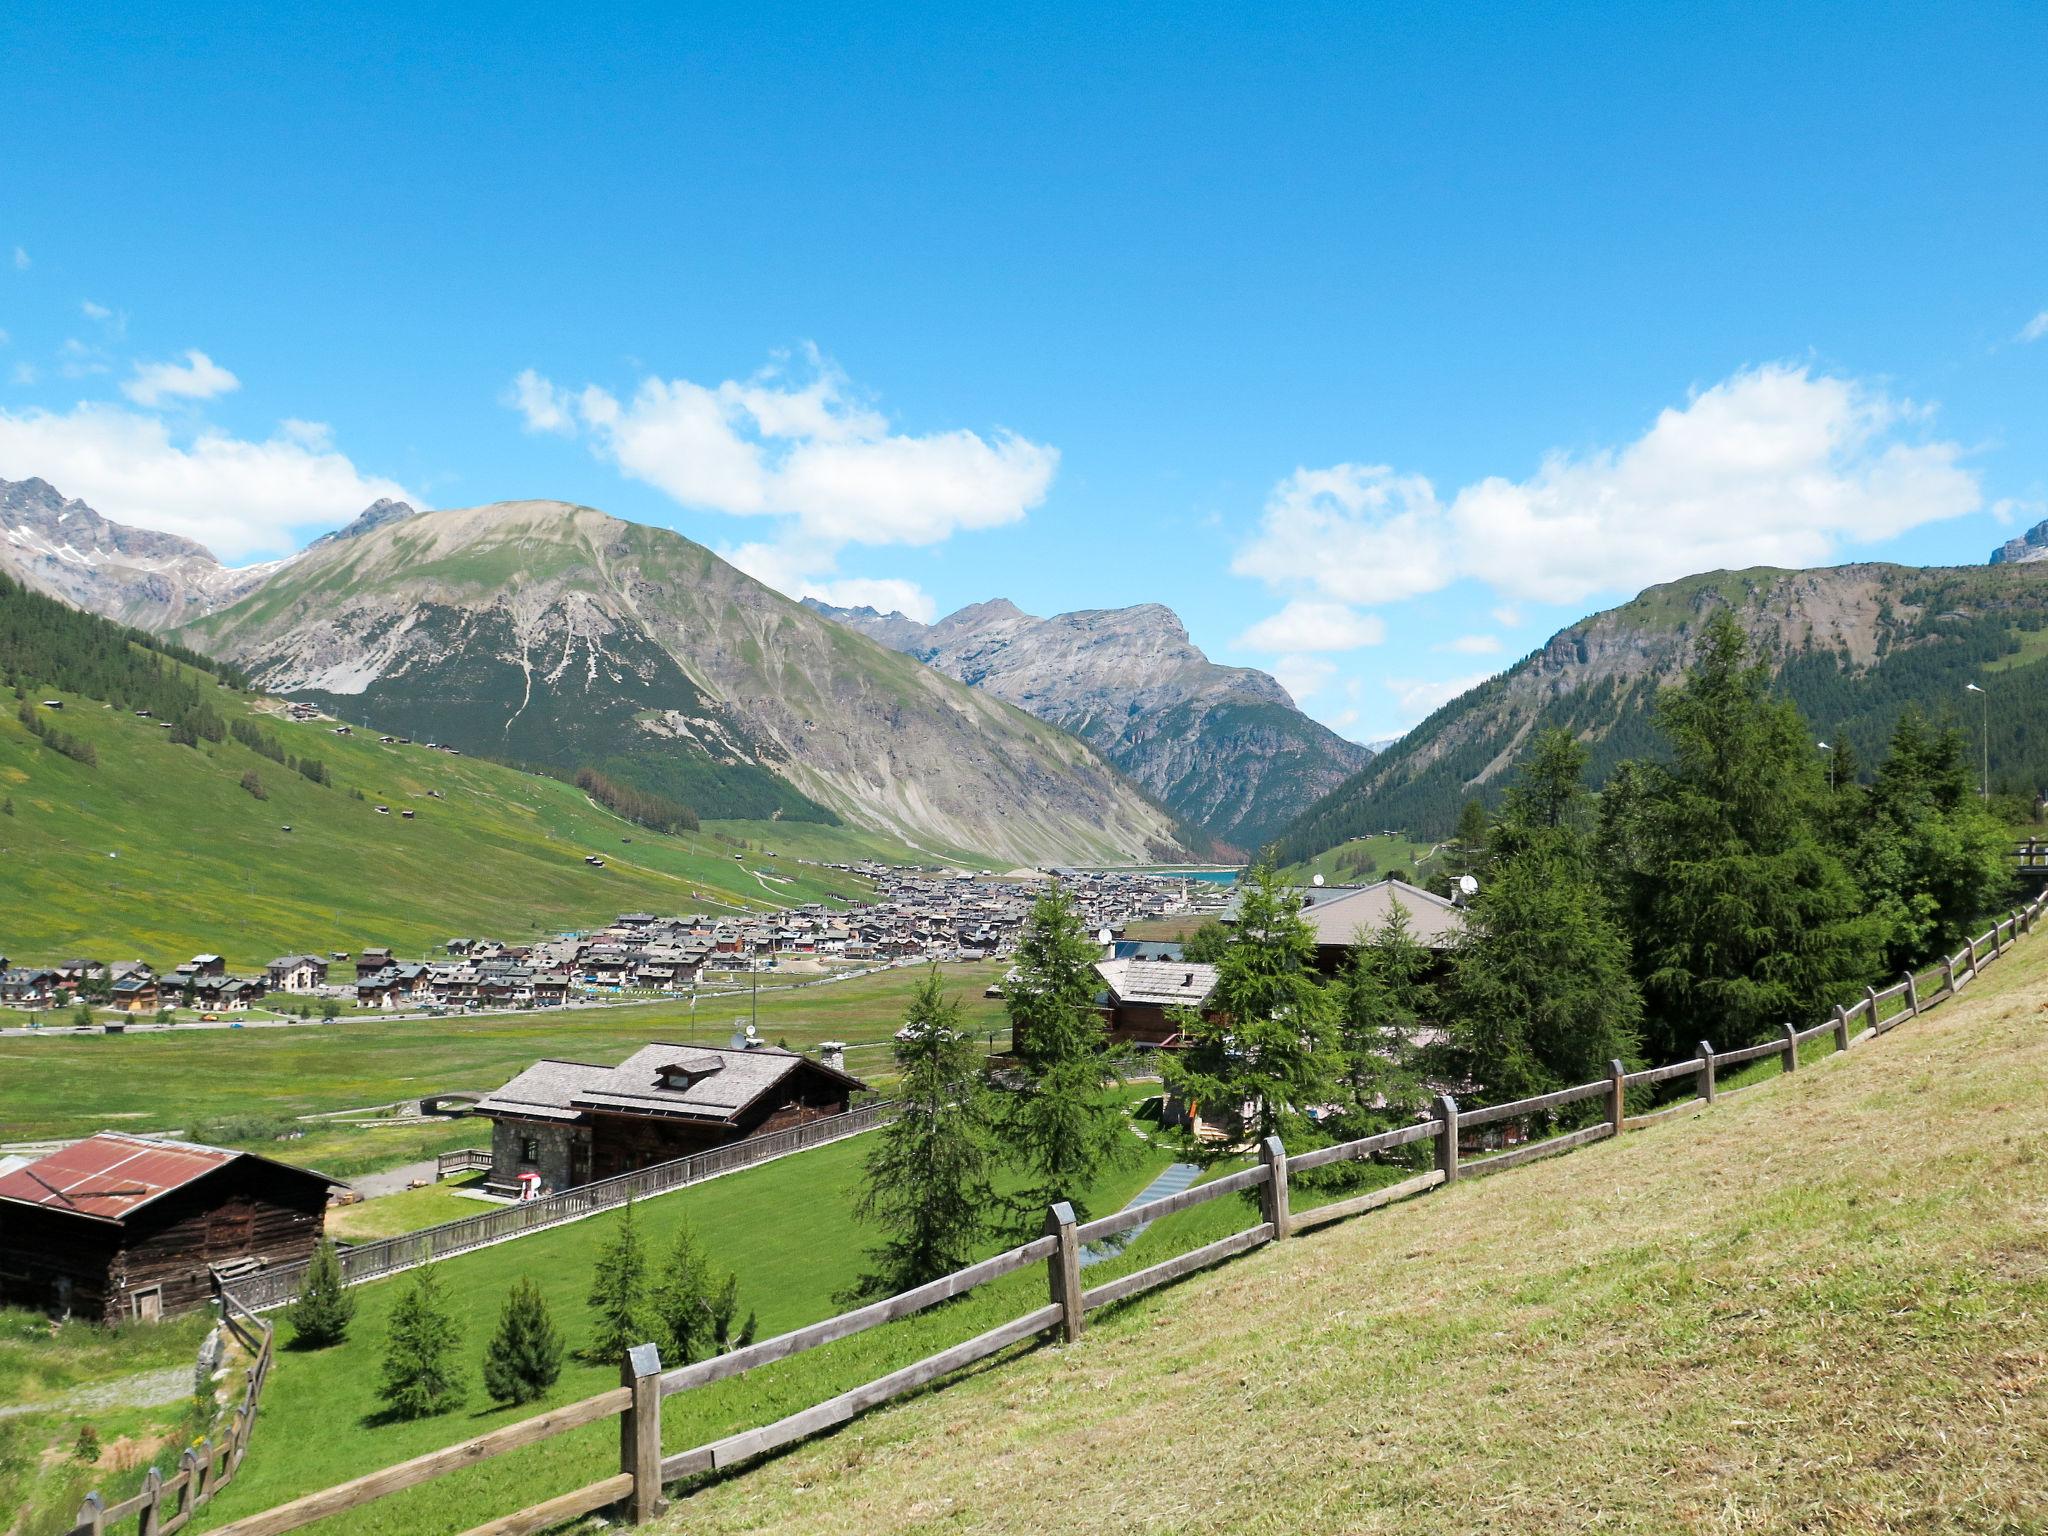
(1433, 921)
(1166, 983)
(724, 1082)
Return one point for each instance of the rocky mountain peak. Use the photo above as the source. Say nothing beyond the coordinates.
(379, 512)
(2031, 545)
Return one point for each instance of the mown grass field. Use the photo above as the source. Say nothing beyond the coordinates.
(1366, 859)
(786, 1229)
(73, 1085)
(1822, 1306)
(159, 853)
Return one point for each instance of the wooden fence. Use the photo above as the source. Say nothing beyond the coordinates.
(165, 1504)
(270, 1289)
(634, 1492)
(462, 1160)
(2032, 854)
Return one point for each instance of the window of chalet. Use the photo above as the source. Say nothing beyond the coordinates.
(529, 1149)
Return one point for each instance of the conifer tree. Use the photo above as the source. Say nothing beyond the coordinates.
(418, 1377)
(524, 1358)
(1061, 1127)
(927, 1183)
(1544, 995)
(682, 1300)
(1266, 1045)
(1381, 999)
(1741, 917)
(618, 1295)
(320, 1316)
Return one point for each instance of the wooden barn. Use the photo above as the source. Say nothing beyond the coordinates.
(120, 1227)
(572, 1121)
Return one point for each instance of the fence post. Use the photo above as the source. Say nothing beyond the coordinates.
(1273, 1193)
(1948, 974)
(1912, 995)
(153, 1492)
(1973, 957)
(640, 1433)
(188, 1496)
(203, 1471)
(1788, 1057)
(1841, 1028)
(1703, 1081)
(1870, 997)
(1617, 1096)
(1063, 1268)
(1447, 1138)
(92, 1514)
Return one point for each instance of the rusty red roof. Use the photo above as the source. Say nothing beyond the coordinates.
(111, 1175)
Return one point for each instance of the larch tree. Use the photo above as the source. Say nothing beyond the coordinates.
(618, 1295)
(1060, 1125)
(320, 1315)
(1264, 1048)
(524, 1357)
(927, 1178)
(418, 1375)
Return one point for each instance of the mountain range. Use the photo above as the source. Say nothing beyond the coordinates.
(1223, 748)
(1853, 646)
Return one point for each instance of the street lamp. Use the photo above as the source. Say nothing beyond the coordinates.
(1984, 792)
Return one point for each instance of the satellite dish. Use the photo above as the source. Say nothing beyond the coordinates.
(1468, 885)
(1316, 880)
(1104, 936)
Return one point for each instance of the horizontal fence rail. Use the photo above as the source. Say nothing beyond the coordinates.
(269, 1289)
(635, 1492)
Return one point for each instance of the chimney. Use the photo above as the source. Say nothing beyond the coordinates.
(833, 1054)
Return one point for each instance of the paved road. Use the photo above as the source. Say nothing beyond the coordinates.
(392, 1180)
(1177, 1177)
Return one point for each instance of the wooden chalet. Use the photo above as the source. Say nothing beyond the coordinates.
(119, 1227)
(1141, 1000)
(572, 1121)
(1341, 915)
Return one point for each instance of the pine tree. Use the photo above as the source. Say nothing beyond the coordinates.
(682, 1301)
(1266, 1045)
(1061, 1127)
(1544, 995)
(1381, 1000)
(1205, 945)
(1741, 917)
(927, 1183)
(525, 1355)
(618, 1295)
(320, 1316)
(418, 1377)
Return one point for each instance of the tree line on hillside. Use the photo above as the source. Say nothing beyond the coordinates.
(1710, 894)
(50, 645)
(642, 807)
(1958, 637)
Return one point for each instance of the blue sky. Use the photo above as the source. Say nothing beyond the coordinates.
(1379, 342)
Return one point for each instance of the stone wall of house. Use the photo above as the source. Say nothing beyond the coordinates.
(554, 1164)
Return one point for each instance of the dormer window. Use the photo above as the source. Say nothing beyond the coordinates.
(684, 1075)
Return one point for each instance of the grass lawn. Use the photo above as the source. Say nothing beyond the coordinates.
(1822, 1306)
(788, 1232)
(407, 1211)
(74, 1085)
(1366, 859)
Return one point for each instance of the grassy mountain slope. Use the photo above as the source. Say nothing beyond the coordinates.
(199, 864)
(1854, 646)
(543, 632)
(1816, 1308)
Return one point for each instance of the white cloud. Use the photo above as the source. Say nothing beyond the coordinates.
(802, 568)
(1773, 466)
(93, 311)
(1419, 697)
(198, 377)
(1508, 616)
(77, 359)
(1473, 645)
(21, 262)
(1303, 676)
(803, 450)
(239, 498)
(545, 408)
(1307, 624)
(2035, 328)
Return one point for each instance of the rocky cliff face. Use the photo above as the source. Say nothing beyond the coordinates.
(1853, 646)
(131, 575)
(1223, 748)
(2031, 545)
(558, 635)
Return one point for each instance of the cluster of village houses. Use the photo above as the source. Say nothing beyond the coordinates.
(122, 1227)
(915, 915)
